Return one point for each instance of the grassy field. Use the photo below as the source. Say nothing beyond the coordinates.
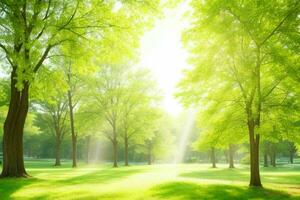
(157, 182)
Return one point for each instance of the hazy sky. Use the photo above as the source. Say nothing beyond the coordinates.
(163, 53)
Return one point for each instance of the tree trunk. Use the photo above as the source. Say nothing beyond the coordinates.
(254, 156)
(271, 158)
(149, 154)
(115, 146)
(74, 151)
(226, 154)
(274, 159)
(266, 160)
(266, 151)
(74, 136)
(292, 150)
(126, 150)
(88, 139)
(13, 161)
(231, 155)
(253, 121)
(57, 152)
(292, 157)
(213, 157)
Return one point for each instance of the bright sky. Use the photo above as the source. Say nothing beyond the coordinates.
(162, 52)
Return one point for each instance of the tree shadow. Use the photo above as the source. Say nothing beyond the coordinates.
(191, 191)
(218, 174)
(272, 175)
(8, 186)
(101, 176)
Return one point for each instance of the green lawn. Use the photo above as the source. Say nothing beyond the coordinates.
(186, 181)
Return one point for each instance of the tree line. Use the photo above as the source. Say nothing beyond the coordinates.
(47, 46)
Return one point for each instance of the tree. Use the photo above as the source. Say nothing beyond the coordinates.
(32, 30)
(159, 140)
(233, 45)
(108, 93)
(51, 103)
(29, 31)
(136, 108)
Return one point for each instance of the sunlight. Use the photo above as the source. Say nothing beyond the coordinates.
(149, 99)
(162, 52)
(183, 138)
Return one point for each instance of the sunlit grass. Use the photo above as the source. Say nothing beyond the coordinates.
(178, 182)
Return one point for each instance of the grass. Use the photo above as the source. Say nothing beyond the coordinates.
(157, 182)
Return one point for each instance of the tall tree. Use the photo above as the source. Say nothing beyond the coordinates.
(51, 103)
(233, 44)
(136, 108)
(31, 31)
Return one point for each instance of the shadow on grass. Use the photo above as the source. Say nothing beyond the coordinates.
(268, 175)
(190, 191)
(8, 186)
(102, 176)
(218, 174)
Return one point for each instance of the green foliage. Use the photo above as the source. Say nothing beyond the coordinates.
(244, 71)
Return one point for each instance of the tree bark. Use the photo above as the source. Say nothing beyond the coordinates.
(57, 152)
(231, 156)
(126, 150)
(13, 161)
(74, 151)
(254, 156)
(115, 146)
(74, 135)
(213, 157)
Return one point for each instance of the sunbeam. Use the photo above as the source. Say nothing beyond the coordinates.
(185, 133)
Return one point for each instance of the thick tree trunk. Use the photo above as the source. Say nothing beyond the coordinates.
(74, 136)
(231, 155)
(13, 162)
(213, 157)
(254, 156)
(126, 150)
(57, 152)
